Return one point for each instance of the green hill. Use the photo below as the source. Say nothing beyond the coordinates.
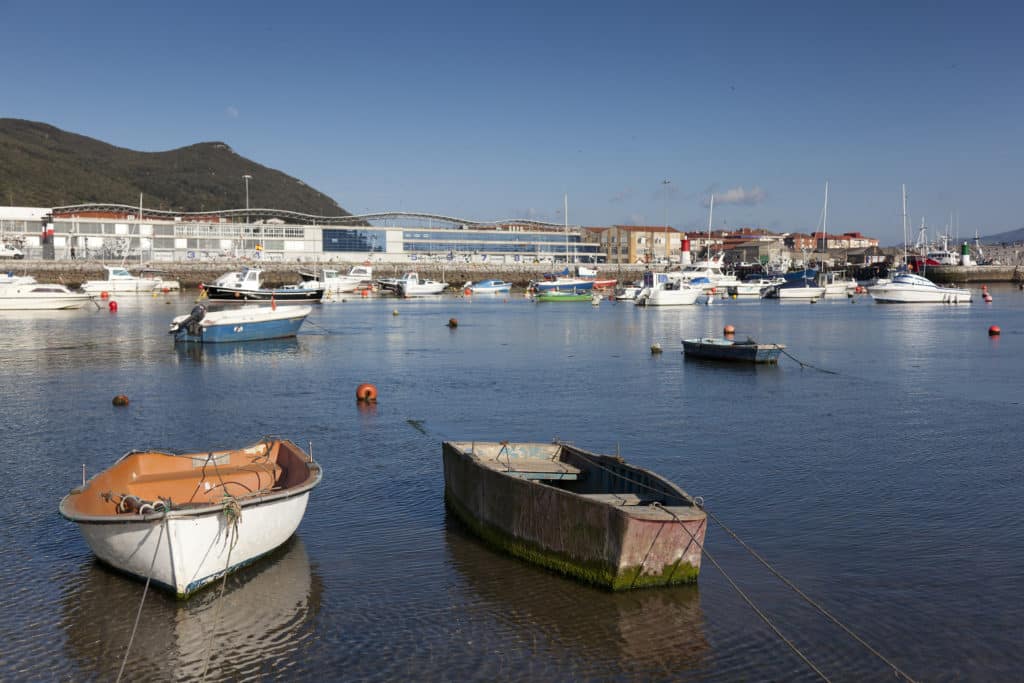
(44, 166)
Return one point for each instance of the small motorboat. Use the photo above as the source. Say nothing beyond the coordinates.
(334, 282)
(39, 296)
(749, 351)
(249, 323)
(121, 281)
(182, 520)
(593, 517)
(488, 287)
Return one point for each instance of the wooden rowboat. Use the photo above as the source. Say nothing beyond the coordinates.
(716, 348)
(593, 517)
(184, 520)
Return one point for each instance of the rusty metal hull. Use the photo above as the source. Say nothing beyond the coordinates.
(602, 520)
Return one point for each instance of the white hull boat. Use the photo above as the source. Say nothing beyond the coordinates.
(908, 288)
(120, 281)
(668, 289)
(184, 520)
(38, 296)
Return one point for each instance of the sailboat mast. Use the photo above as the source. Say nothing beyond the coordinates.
(565, 215)
(711, 212)
(904, 187)
(824, 224)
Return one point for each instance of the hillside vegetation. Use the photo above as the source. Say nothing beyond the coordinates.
(44, 166)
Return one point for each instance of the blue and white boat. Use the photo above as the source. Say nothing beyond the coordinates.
(488, 287)
(241, 324)
(563, 282)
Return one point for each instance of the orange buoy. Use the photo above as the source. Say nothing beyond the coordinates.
(468, 291)
(104, 294)
(112, 306)
(120, 400)
(366, 393)
(453, 322)
(994, 331)
(364, 293)
(729, 329)
(165, 290)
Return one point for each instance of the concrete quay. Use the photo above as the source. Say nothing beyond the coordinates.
(968, 274)
(278, 273)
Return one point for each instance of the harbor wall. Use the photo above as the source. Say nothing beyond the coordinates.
(278, 273)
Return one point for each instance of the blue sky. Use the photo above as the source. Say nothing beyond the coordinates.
(491, 112)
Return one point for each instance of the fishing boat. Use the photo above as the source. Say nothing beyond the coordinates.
(593, 517)
(29, 295)
(249, 323)
(488, 287)
(119, 280)
(182, 520)
(561, 283)
(247, 285)
(716, 348)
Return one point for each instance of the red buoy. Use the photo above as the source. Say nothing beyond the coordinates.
(112, 306)
(366, 393)
(994, 331)
(104, 294)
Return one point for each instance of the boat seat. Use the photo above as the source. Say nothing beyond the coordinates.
(534, 468)
(614, 498)
(191, 486)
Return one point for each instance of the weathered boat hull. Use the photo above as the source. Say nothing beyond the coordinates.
(724, 350)
(572, 528)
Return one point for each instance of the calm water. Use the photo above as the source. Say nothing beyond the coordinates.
(890, 491)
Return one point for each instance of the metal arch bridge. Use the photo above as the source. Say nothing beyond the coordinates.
(295, 217)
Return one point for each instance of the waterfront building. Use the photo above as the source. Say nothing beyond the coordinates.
(107, 231)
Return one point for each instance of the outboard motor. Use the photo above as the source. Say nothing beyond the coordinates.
(191, 323)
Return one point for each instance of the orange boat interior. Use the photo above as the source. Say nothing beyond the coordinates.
(142, 479)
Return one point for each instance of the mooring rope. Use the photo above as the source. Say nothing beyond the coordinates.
(746, 598)
(803, 364)
(233, 513)
(810, 601)
(699, 503)
(138, 614)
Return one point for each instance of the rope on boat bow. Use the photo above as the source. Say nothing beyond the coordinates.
(233, 515)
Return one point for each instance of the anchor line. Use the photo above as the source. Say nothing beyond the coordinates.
(803, 364)
(138, 614)
(698, 502)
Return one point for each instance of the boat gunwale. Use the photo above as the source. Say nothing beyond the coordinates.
(249, 500)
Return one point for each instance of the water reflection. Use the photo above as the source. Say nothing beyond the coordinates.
(266, 613)
(656, 630)
(236, 352)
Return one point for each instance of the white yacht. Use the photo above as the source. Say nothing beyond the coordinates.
(667, 289)
(712, 269)
(910, 288)
(40, 296)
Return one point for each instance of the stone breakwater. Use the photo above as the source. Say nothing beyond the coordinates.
(276, 274)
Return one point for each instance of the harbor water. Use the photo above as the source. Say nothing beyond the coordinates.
(878, 467)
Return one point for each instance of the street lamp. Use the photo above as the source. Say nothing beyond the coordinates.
(666, 183)
(246, 178)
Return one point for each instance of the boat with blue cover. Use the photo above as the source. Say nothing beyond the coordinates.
(248, 323)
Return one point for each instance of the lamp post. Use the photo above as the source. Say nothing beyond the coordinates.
(665, 183)
(246, 178)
